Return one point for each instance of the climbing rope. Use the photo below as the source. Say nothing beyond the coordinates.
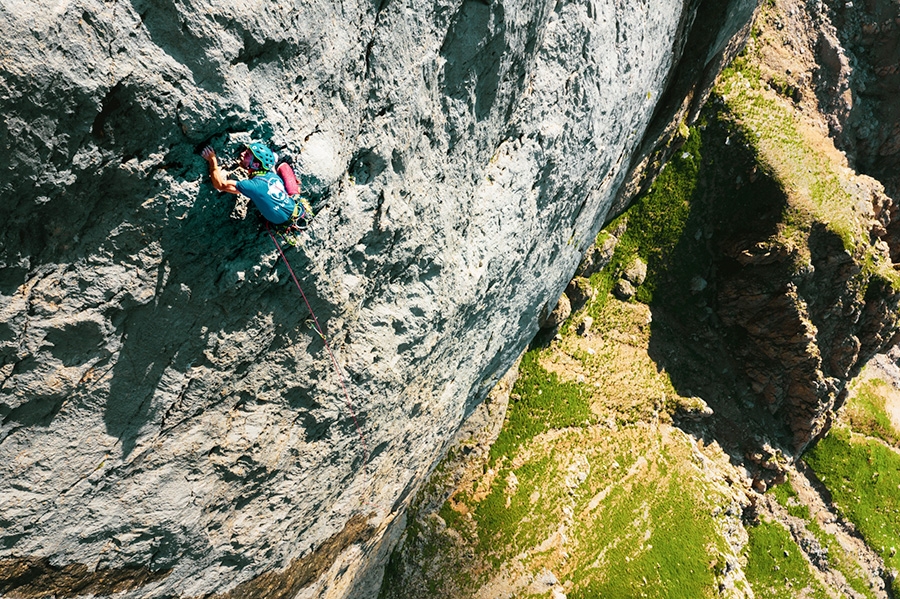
(334, 361)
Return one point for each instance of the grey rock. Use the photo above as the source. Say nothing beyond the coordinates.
(579, 292)
(623, 289)
(585, 327)
(598, 256)
(545, 580)
(560, 313)
(636, 271)
(698, 284)
(164, 400)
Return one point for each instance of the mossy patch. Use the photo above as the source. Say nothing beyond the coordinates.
(613, 506)
(657, 220)
(859, 462)
(863, 476)
(867, 414)
(540, 402)
(776, 568)
(652, 534)
(633, 388)
(614, 513)
(838, 557)
(511, 519)
(787, 497)
(655, 225)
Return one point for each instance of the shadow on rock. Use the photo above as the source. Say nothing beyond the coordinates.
(733, 209)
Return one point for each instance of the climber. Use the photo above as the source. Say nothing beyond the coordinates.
(264, 186)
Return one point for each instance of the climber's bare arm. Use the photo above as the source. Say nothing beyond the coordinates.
(219, 180)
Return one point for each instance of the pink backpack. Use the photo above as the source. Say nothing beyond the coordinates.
(291, 186)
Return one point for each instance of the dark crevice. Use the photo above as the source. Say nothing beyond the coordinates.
(34, 578)
(255, 53)
(111, 103)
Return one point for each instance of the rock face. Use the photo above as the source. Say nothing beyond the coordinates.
(805, 321)
(171, 424)
(859, 53)
(803, 335)
(860, 50)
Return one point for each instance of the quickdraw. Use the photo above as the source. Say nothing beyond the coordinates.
(299, 222)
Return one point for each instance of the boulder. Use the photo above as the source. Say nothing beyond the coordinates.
(579, 292)
(636, 271)
(599, 256)
(560, 313)
(623, 290)
(584, 328)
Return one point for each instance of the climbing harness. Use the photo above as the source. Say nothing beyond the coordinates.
(337, 367)
(298, 222)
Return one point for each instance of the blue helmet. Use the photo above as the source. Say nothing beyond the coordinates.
(262, 153)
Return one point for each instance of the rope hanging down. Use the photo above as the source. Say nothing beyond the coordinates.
(334, 361)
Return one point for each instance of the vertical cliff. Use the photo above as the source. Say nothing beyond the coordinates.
(656, 440)
(171, 424)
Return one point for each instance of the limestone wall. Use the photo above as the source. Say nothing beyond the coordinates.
(171, 424)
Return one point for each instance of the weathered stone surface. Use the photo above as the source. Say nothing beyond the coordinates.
(862, 38)
(623, 289)
(803, 335)
(598, 256)
(579, 292)
(36, 578)
(559, 314)
(636, 271)
(165, 408)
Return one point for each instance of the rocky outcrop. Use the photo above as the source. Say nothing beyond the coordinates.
(807, 313)
(170, 425)
(804, 334)
(869, 41)
(838, 62)
(860, 58)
